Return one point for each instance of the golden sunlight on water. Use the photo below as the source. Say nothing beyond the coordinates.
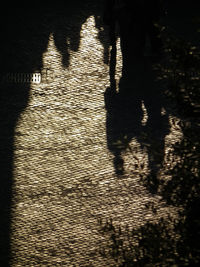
(64, 176)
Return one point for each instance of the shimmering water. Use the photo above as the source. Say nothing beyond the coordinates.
(64, 176)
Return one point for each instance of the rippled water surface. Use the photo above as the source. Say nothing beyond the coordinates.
(65, 178)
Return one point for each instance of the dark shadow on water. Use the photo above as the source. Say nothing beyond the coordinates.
(140, 90)
(125, 114)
